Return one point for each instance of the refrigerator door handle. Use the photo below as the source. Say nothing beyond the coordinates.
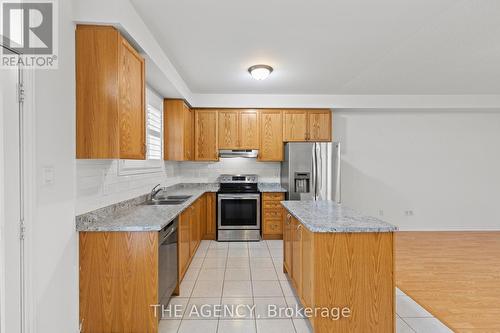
(338, 188)
(319, 163)
(313, 171)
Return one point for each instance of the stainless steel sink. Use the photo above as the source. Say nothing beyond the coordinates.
(169, 200)
(179, 197)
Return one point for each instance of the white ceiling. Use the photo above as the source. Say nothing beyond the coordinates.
(331, 46)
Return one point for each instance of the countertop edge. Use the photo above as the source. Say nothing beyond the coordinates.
(306, 224)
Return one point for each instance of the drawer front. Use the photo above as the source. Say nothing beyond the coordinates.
(272, 205)
(273, 226)
(273, 214)
(273, 196)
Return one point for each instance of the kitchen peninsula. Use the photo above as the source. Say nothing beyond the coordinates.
(338, 258)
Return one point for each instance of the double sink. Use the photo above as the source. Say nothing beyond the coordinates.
(168, 200)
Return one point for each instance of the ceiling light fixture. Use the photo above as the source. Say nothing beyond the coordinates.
(260, 72)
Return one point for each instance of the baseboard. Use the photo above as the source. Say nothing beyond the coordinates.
(450, 228)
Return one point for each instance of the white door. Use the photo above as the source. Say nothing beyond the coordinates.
(11, 291)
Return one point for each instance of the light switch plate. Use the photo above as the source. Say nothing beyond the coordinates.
(48, 175)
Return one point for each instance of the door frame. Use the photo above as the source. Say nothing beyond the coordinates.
(27, 195)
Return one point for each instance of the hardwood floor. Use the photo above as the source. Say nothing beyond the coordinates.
(453, 275)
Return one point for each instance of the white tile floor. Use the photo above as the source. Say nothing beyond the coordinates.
(252, 274)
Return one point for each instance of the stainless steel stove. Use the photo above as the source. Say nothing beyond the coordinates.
(238, 208)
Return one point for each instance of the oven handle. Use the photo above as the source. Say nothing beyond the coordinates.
(243, 196)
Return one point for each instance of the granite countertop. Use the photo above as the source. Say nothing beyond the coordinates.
(328, 216)
(132, 215)
(271, 187)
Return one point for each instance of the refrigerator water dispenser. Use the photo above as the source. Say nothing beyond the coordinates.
(302, 182)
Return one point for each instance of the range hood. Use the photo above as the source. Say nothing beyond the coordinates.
(248, 153)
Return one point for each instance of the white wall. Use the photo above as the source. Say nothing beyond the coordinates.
(99, 184)
(55, 257)
(442, 165)
(208, 172)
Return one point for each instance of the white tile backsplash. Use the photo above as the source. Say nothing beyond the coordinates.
(209, 171)
(100, 185)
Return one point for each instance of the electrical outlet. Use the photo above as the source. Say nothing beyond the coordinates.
(381, 212)
(408, 212)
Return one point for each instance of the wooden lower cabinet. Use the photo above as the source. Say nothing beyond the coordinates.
(287, 243)
(118, 281)
(272, 215)
(119, 271)
(296, 238)
(183, 242)
(209, 227)
(342, 270)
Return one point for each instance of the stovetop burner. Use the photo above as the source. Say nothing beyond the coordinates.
(238, 184)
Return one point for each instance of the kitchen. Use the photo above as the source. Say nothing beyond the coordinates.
(246, 184)
(157, 235)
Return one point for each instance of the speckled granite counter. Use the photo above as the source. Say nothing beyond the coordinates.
(132, 215)
(328, 216)
(271, 187)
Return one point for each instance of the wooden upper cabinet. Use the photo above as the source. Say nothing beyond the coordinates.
(228, 129)
(320, 125)
(131, 103)
(271, 135)
(307, 125)
(205, 142)
(178, 131)
(238, 129)
(295, 125)
(249, 129)
(110, 90)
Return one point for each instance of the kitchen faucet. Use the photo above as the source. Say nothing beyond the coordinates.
(155, 191)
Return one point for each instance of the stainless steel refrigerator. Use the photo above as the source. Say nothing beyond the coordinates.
(311, 171)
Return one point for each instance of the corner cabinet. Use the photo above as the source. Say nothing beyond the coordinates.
(178, 122)
(205, 132)
(307, 125)
(110, 95)
(271, 135)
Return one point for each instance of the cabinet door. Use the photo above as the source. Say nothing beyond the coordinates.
(249, 129)
(188, 133)
(228, 129)
(295, 125)
(183, 241)
(97, 115)
(206, 135)
(320, 125)
(194, 228)
(271, 135)
(307, 267)
(210, 216)
(297, 255)
(131, 103)
(202, 218)
(287, 243)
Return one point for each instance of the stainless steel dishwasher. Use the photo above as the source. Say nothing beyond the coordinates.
(167, 261)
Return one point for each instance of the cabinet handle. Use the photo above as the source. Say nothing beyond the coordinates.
(288, 219)
(299, 227)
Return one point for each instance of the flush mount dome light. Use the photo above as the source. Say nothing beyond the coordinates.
(260, 72)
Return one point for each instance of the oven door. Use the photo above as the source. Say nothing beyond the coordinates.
(238, 211)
